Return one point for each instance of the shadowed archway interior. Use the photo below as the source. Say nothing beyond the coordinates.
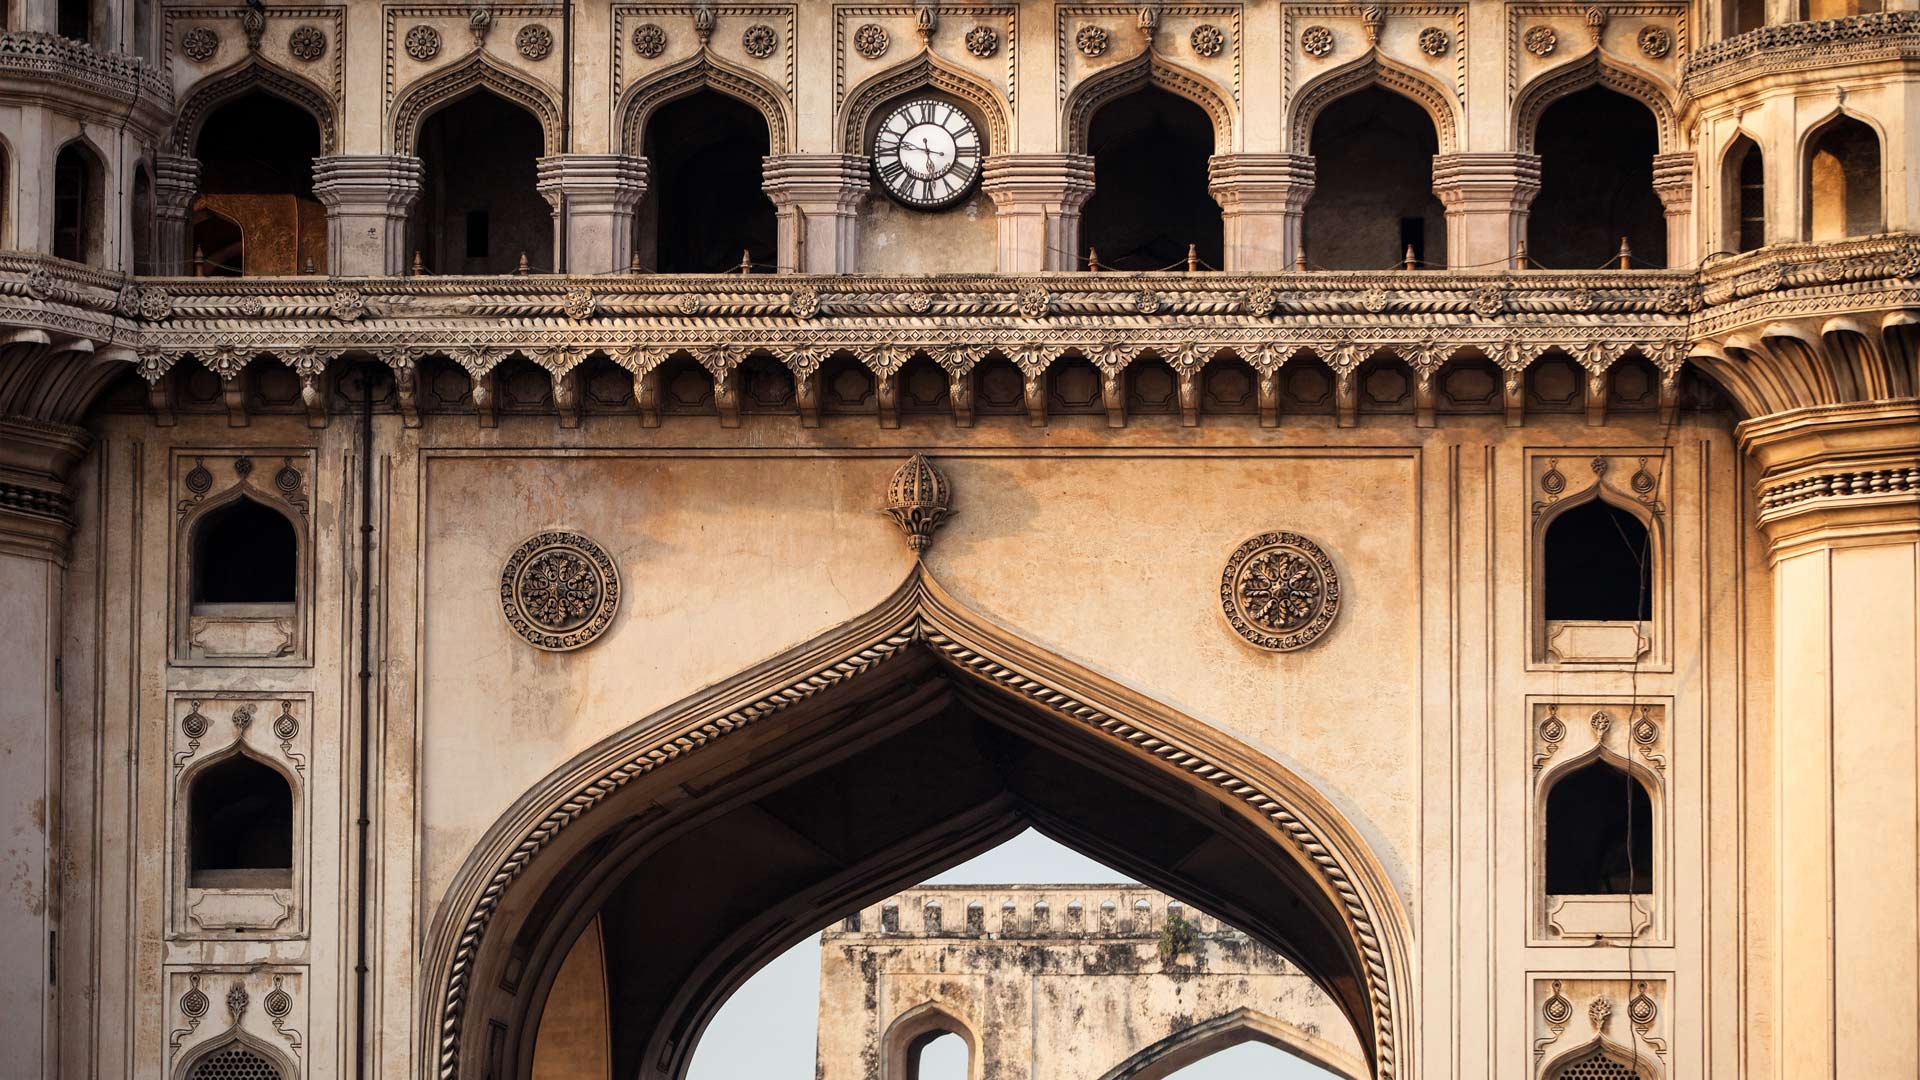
(703, 870)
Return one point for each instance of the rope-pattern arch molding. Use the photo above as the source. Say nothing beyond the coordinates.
(1146, 69)
(925, 70)
(256, 75)
(1368, 71)
(702, 71)
(475, 74)
(1592, 70)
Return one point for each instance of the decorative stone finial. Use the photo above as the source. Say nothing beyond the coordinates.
(918, 499)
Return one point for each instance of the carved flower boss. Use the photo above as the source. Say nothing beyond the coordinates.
(559, 590)
(1280, 591)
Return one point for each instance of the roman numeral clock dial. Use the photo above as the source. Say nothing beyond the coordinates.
(927, 154)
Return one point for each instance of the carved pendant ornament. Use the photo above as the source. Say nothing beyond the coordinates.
(559, 591)
(1280, 591)
(919, 498)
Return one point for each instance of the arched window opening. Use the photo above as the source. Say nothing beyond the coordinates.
(937, 1055)
(704, 205)
(1150, 200)
(1373, 190)
(1843, 180)
(234, 1062)
(240, 827)
(1596, 152)
(245, 553)
(142, 220)
(1597, 1065)
(76, 19)
(1598, 565)
(256, 213)
(1745, 179)
(79, 197)
(1599, 833)
(479, 209)
(1745, 15)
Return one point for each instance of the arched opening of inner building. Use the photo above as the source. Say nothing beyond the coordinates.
(239, 826)
(1843, 180)
(1744, 180)
(244, 553)
(480, 211)
(79, 204)
(1596, 151)
(1373, 199)
(1599, 833)
(256, 212)
(1598, 564)
(705, 210)
(1150, 203)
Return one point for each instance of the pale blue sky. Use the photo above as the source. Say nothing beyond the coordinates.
(766, 1030)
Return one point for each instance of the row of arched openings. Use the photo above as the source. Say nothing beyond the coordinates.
(1842, 186)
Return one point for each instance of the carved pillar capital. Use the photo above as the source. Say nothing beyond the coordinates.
(1673, 183)
(176, 182)
(593, 198)
(36, 507)
(1487, 197)
(368, 197)
(1263, 202)
(1037, 200)
(1837, 475)
(816, 200)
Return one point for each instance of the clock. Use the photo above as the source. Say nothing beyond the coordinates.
(927, 154)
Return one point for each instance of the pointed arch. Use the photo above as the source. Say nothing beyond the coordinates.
(702, 71)
(260, 75)
(1226, 1031)
(1858, 206)
(927, 70)
(1146, 69)
(1373, 70)
(1743, 186)
(476, 73)
(234, 1039)
(912, 1028)
(1601, 1046)
(1594, 69)
(80, 201)
(534, 849)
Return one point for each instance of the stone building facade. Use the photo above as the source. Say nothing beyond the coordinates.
(1436, 484)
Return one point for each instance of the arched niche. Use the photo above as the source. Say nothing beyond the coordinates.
(1590, 71)
(1127, 76)
(702, 71)
(256, 151)
(1597, 512)
(917, 683)
(475, 74)
(237, 553)
(253, 76)
(1600, 862)
(480, 209)
(1841, 178)
(1743, 201)
(1226, 1031)
(80, 203)
(908, 1035)
(1597, 146)
(704, 203)
(239, 822)
(1373, 200)
(235, 1056)
(1602, 1059)
(1374, 70)
(1151, 206)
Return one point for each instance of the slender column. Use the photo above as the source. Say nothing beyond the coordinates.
(35, 519)
(1037, 200)
(593, 198)
(816, 198)
(176, 181)
(1263, 207)
(1673, 182)
(1487, 197)
(368, 197)
(1839, 502)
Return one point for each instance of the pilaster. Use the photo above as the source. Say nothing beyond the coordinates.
(368, 197)
(1037, 200)
(593, 198)
(1673, 183)
(816, 200)
(176, 182)
(1839, 503)
(1487, 197)
(1263, 203)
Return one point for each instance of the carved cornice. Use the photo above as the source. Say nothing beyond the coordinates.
(1803, 46)
(42, 69)
(1838, 474)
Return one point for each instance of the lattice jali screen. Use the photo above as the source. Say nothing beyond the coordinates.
(236, 1063)
(1595, 1066)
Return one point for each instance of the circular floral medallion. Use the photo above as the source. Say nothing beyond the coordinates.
(649, 40)
(1316, 41)
(983, 41)
(759, 40)
(1655, 41)
(1208, 40)
(1434, 41)
(559, 591)
(307, 43)
(423, 42)
(871, 41)
(200, 43)
(534, 41)
(1280, 591)
(1540, 40)
(1092, 40)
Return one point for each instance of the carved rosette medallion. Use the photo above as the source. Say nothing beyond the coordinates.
(871, 41)
(1316, 41)
(1092, 40)
(649, 40)
(307, 43)
(200, 43)
(759, 41)
(1434, 41)
(1280, 591)
(1655, 41)
(1208, 40)
(1540, 40)
(423, 42)
(534, 41)
(983, 41)
(559, 591)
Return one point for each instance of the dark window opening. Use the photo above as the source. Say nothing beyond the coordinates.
(76, 19)
(480, 154)
(476, 234)
(937, 1055)
(1843, 180)
(705, 206)
(240, 814)
(1596, 152)
(1598, 565)
(1373, 179)
(1599, 833)
(142, 221)
(245, 553)
(78, 182)
(1747, 170)
(1745, 15)
(1150, 201)
(256, 182)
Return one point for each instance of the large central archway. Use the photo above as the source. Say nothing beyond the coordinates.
(707, 838)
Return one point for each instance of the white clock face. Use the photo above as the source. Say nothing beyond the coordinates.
(927, 154)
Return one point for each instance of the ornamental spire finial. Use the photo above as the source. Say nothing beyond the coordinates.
(918, 500)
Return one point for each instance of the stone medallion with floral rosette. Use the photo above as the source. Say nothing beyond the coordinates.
(559, 590)
(1280, 591)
